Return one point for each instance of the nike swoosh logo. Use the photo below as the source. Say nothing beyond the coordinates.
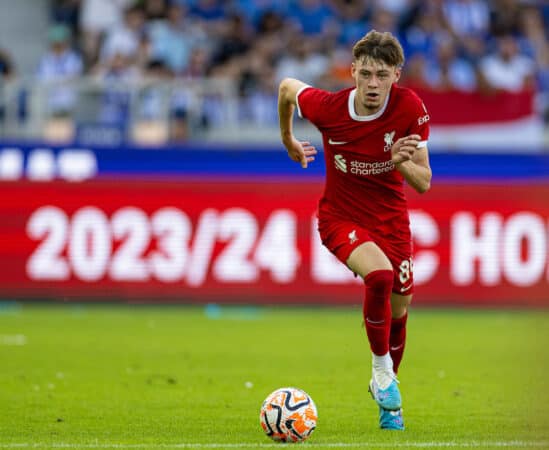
(405, 288)
(375, 322)
(394, 349)
(336, 142)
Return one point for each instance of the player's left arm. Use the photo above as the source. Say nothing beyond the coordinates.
(413, 161)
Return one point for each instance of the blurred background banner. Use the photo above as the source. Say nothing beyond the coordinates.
(253, 240)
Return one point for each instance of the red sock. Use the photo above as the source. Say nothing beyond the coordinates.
(377, 309)
(397, 340)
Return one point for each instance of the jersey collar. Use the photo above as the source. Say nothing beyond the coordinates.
(355, 116)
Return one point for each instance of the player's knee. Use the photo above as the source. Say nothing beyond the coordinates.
(380, 283)
(399, 305)
(399, 311)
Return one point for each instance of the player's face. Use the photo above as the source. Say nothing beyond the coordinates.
(373, 80)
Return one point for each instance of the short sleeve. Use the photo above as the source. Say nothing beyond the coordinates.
(420, 124)
(312, 104)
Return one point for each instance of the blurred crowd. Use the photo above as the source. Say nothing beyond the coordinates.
(466, 45)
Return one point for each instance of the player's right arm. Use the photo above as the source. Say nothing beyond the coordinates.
(299, 151)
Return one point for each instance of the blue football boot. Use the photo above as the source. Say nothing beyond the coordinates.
(390, 420)
(388, 398)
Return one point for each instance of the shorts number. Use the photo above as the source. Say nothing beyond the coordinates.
(406, 270)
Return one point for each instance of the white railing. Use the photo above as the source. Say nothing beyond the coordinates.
(158, 111)
(145, 111)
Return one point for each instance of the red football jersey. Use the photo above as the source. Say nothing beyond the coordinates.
(362, 183)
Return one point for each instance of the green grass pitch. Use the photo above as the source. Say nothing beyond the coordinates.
(124, 377)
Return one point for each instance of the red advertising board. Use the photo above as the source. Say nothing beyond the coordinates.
(255, 241)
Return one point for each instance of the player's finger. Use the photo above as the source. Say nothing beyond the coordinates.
(303, 160)
(409, 148)
(405, 155)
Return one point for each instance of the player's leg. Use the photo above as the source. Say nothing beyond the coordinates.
(393, 420)
(371, 264)
(368, 261)
(397, 339)
(353, 246)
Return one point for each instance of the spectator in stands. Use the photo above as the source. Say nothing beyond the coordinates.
(467, 17)
(398, 7)
(448, 71)
(67, 12)
(302, 58)
(127, 38)
(7, 72)
(57, 67)
(534, 29)
(234, 41)
(156, 9)
(351, 15)
(414, 76)
(96, 18)
(7, 68)
(256, 11)
(468, 21)
(337, 76)
(312, 16)
(156, 78)
(423, 33)
(172, 39)
(208, 9)
(119, 73)
(270, 23)
(506, 68)
(383, 19)
(199, 61)
(505, 15)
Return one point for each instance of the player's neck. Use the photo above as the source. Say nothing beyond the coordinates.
(362, 110)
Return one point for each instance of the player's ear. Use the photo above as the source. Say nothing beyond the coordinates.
(353, 69)
(398, 72)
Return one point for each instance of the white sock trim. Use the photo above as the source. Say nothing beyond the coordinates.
(383, 362)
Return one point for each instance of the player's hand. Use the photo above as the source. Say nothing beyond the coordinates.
(300, 151)
(404, 148)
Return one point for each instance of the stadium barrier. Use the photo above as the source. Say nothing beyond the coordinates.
(156, 111)
(202, 226)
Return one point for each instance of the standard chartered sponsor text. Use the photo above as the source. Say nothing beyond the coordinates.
(368, 168)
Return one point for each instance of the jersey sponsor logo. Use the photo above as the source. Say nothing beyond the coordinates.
(362, 168)
(332, 142)
(367, 168)
(340, 163)
(388, 138)
(352, 237)
(423, 119)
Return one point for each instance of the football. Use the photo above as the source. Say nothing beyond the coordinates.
(288, 415)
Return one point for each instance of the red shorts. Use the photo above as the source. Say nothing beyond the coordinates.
(342, 237)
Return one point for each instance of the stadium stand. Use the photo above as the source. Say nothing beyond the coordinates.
(168, 71)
